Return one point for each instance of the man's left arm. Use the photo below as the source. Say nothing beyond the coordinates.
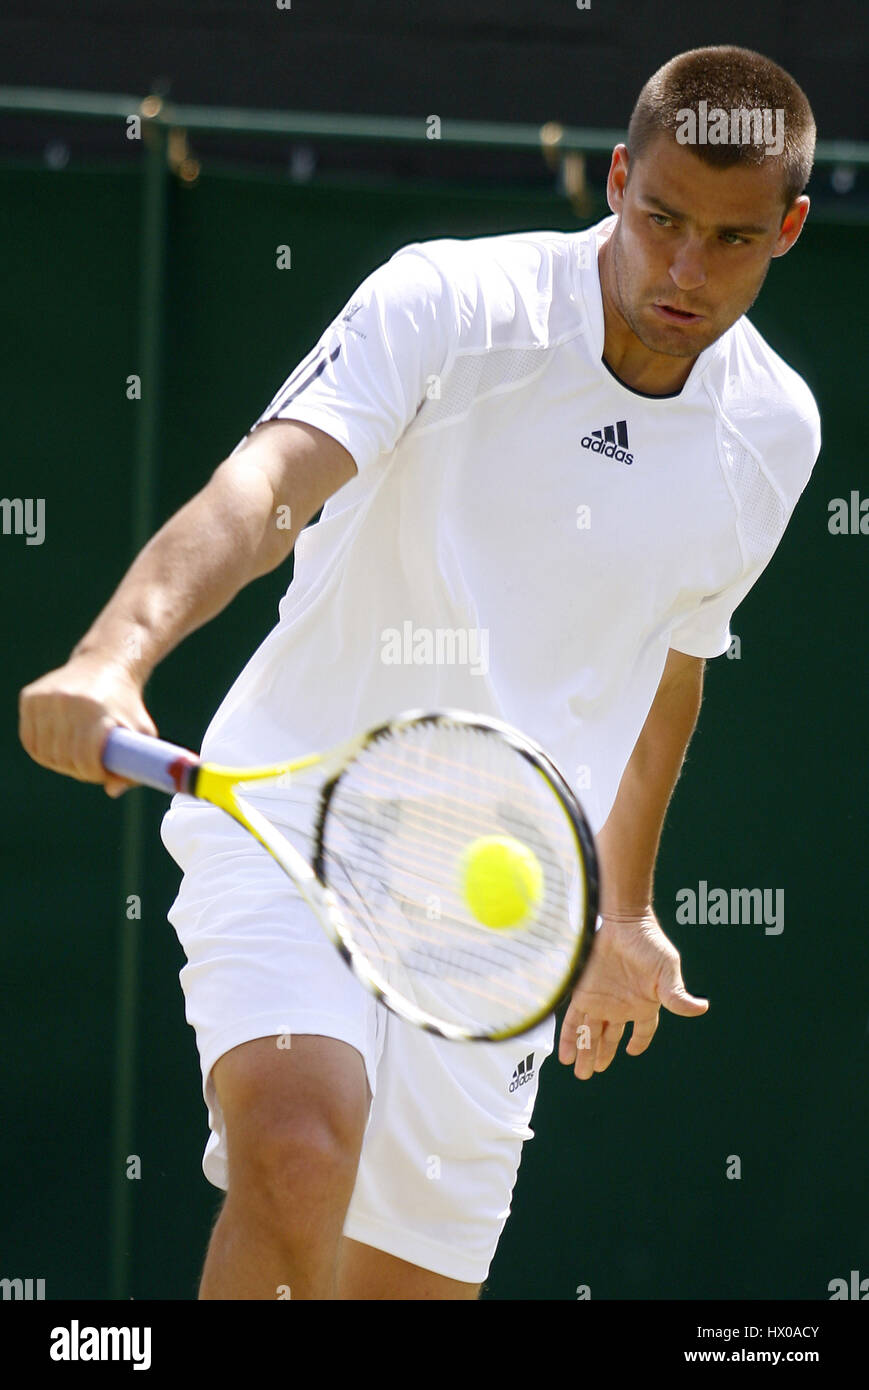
(635, 969)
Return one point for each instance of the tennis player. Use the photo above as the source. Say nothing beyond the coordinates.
(552, 466)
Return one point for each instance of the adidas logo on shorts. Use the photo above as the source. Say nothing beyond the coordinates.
(523, 1072)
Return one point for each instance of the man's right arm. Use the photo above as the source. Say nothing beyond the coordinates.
(232, 532)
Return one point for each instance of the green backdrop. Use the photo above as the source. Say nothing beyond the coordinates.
(625, 1187)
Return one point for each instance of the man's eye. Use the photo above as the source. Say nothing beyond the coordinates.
(734, 239)
(660, 219)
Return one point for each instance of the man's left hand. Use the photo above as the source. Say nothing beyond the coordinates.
(634, 972)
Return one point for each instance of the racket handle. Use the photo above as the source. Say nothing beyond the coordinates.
(149, 761)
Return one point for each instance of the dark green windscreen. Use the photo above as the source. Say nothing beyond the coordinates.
(625, 1188)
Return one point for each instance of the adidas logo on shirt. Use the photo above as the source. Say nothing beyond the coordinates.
(523, 1073)
(611, 441)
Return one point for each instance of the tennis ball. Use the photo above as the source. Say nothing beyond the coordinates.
(501, 880)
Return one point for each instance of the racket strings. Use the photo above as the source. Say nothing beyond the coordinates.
(435, 838)
(436, 963)
(403, 936)
(399, 820)
(400, 778)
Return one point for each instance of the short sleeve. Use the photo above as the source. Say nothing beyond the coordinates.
(366, 378)
(766, 484)
(706, 632)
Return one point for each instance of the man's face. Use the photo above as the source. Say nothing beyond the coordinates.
(692, 238)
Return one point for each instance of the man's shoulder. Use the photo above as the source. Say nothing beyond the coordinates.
(759, 379)
(509, 288)
(768, 403)
(515, 253)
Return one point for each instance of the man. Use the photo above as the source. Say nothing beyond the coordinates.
(573, 446)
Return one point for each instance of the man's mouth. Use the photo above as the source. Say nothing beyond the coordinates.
(674, 315)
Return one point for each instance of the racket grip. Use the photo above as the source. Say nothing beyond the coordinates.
(149, 761)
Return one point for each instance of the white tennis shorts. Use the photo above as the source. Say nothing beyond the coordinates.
(447, 1120)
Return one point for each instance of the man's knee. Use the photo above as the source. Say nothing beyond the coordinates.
(294, 1124)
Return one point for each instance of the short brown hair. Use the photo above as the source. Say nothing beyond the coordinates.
(730, 79)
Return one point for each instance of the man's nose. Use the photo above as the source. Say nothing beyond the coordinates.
(688, 268)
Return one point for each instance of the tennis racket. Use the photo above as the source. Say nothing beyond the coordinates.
(398, 808)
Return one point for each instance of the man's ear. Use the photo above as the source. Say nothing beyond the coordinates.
(617, 178)
(794, 221)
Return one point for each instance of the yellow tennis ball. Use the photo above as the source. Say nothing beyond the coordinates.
(501, 880)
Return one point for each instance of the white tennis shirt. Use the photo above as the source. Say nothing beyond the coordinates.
(526, 536)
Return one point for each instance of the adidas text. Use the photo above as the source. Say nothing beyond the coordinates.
(523, 1073)
(611, 442)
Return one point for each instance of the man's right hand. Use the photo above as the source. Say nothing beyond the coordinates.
(284, 468)
(65, 716)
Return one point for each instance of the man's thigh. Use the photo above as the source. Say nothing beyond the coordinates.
(313, 1090)
(260, 979)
